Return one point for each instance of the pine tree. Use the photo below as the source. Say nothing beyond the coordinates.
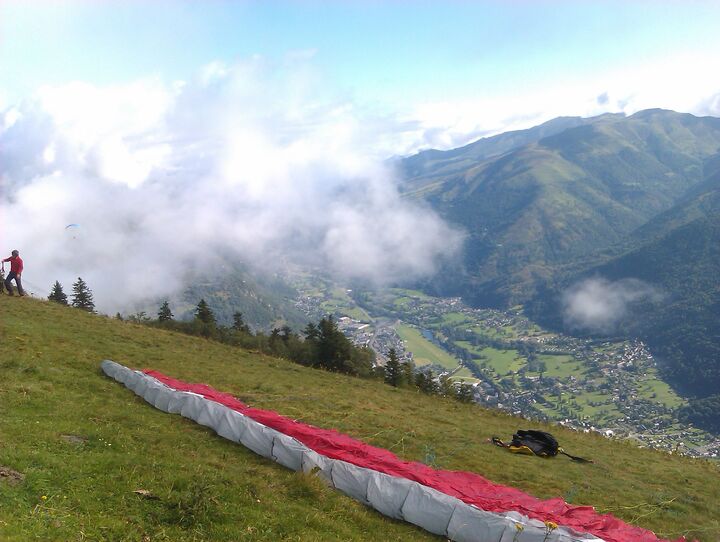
(204, 313)
(334, 349)
(393, 371)
(446, 387)
(239, 324)
(286, 333)
(57, 294)
(311, 333)
(425, 380)
(465, 393)
(420, 380)
(408, 372)
(164, 314)
(82, 296)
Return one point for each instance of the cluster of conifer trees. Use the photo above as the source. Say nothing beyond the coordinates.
(322, 345)
(82, 297)
(403, 374)
(703, 413)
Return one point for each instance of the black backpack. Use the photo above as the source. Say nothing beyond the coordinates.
(533, 442)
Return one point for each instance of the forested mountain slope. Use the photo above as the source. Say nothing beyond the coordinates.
(562, 198)
(611, 197)
(678, 253)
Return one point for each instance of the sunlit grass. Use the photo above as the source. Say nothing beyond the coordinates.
(86, 443)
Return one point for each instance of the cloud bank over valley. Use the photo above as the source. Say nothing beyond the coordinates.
(265, 160)
(254, 160)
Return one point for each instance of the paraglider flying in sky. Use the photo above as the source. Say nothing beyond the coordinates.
(72, 229)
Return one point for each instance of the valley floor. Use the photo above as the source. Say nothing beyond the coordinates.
(609, 387)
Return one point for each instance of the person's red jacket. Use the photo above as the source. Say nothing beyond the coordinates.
(16, 264)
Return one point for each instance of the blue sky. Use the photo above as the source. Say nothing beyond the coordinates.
(385, 51)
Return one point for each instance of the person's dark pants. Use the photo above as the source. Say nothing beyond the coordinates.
(8, 284)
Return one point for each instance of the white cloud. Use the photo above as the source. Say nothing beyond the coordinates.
(599, 305)
(687, 83)
(166, 180)
(262, 159)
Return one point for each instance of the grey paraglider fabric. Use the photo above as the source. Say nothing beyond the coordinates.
(392, 496)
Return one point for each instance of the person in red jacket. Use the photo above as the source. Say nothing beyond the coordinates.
(16, 269)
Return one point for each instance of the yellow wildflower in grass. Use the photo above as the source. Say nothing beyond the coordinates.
(43, 498)
(550, 526)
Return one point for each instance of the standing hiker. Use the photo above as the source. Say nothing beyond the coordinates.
(16, 268)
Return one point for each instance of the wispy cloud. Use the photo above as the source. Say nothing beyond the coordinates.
(599, 305)
(688, 83)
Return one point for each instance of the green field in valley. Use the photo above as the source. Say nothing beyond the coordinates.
(656, 390)
(463, 374)
(561, 366)
(340, 303)
(417, 294)
(455, 318)
(424, 351)
(503, 361)
(356, 313)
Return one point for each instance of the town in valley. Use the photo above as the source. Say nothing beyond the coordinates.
(610, 387)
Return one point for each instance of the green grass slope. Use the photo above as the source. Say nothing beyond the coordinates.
(84, 444)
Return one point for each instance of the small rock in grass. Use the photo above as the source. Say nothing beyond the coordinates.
(145, 494)
(74, 439)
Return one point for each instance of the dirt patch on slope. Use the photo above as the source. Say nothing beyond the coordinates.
(11, 476)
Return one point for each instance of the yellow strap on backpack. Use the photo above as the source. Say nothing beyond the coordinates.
(520, 450)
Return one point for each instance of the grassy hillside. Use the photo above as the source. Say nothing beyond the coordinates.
(83, 444)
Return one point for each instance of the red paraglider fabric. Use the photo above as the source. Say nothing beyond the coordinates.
(469, 487)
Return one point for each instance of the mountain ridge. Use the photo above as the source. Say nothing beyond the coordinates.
(486, 147)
